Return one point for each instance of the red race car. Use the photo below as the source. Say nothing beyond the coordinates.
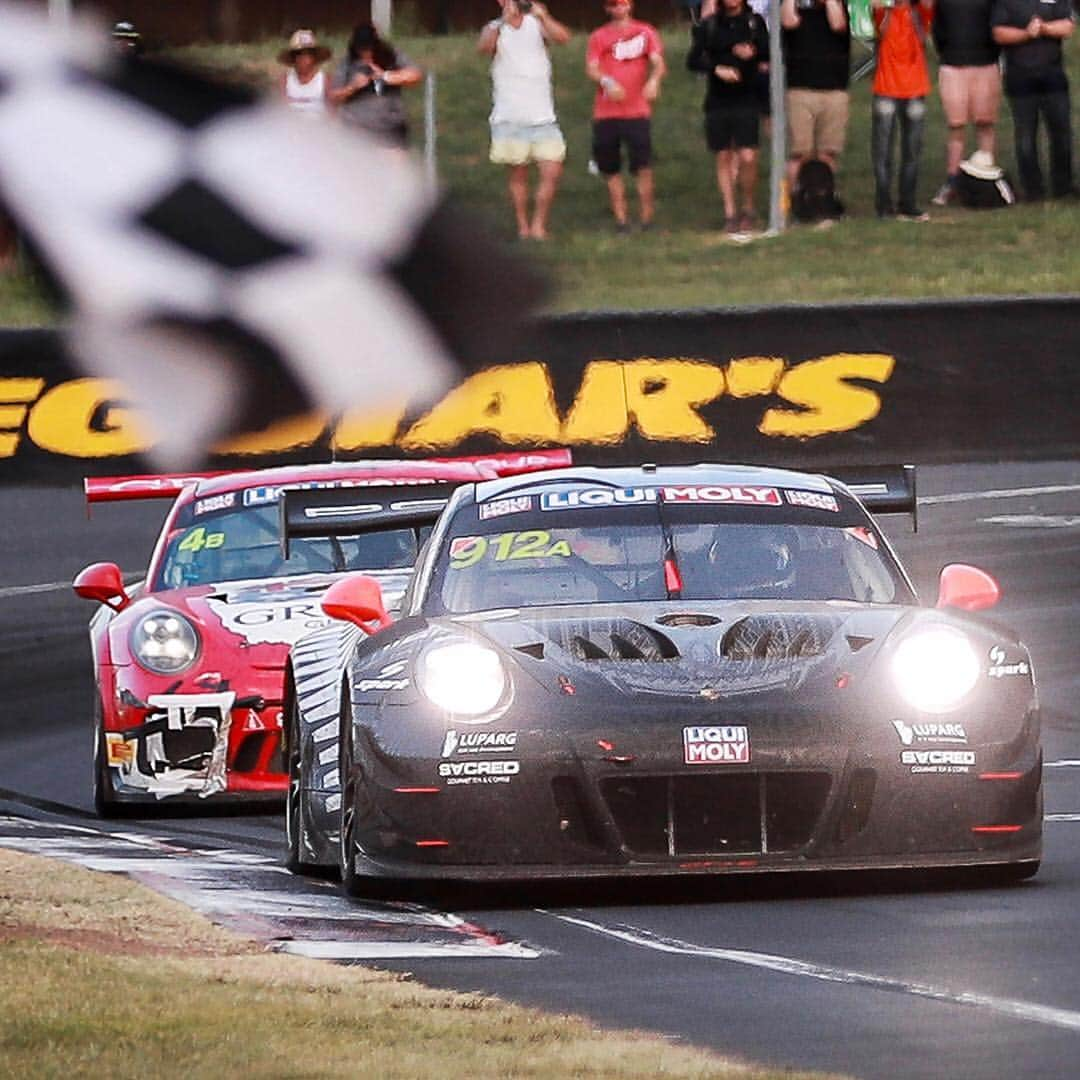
(189, 663)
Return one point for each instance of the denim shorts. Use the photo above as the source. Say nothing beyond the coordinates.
(519, 144)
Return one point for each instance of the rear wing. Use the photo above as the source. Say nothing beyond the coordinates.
(121, 488)
(882, 489)
(325, 512)
(169, 485)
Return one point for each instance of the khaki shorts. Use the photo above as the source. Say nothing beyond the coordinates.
(970, 94)
(520, 144)
(817, 122)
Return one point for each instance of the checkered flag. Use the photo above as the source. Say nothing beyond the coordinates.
(230, 262)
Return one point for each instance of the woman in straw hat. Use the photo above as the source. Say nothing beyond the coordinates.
(303, 85)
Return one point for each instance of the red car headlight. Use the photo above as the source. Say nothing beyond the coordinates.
(165, 642)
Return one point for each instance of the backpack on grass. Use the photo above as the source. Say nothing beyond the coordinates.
(813, 197)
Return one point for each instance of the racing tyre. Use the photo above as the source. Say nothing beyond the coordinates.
(351, 882)
(105, 802)
(296, 824)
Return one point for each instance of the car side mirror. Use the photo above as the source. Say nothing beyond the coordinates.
(967, 588)
(102, 583)
(359, 600)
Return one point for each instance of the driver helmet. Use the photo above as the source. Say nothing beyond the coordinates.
(752, 559)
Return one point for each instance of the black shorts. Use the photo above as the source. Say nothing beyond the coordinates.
(733, 127)
(608, 137)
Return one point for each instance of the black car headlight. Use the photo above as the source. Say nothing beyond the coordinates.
(462, 677)
(165, 642)
(935, 669)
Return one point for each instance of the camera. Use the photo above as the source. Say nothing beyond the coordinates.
(524, 6)
(805, 5)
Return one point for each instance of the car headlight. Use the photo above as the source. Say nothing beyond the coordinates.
(935, 669)
(463, 678)
(165, 642)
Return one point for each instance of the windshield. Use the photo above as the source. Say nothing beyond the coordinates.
(234, 544)
(652, 553)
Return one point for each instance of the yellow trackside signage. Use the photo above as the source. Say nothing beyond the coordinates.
(663, 400)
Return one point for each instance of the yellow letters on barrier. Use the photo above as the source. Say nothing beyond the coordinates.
(15, 398)
(660, 397)
(85, 418)
(292, 433)
(513, 402)
(830, 402)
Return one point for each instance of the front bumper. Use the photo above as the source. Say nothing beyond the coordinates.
(623, 799)
(195, 747)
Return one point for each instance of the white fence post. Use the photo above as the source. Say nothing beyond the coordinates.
(431, 164)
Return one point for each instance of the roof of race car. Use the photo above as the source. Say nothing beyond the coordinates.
(653, 475)
(343, 473)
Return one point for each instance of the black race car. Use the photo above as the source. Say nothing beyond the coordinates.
(685, 670)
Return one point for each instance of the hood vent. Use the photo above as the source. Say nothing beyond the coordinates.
(687, 618)
(535, 649)
(775, 637)
(609, 639)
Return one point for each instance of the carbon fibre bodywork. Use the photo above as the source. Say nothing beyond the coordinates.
(673, 736)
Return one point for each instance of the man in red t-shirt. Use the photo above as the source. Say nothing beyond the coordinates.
(625, 58)
(901, 83)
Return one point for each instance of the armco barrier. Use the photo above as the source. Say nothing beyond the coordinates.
(804, 386)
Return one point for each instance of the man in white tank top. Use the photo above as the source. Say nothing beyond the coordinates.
(524, 128)
(303, 84)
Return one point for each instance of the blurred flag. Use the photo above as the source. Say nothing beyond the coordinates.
(230, 262)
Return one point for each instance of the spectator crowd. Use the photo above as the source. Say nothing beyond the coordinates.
(983, 47)
(986, 49)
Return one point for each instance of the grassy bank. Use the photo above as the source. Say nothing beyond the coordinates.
(687, 261)
(101, 977)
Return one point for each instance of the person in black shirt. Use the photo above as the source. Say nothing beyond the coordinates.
(730, 47)
(969, 81)
(817, 62)
(1030, 33)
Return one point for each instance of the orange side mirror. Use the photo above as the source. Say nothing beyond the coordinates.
(357, 599)
(967, 588)
(102, 583)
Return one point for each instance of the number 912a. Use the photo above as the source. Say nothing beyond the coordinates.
(466, 551)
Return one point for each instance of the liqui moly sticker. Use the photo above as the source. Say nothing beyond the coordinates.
(721, 745)
(709, 494)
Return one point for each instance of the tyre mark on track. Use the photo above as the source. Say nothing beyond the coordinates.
(1018, 1010)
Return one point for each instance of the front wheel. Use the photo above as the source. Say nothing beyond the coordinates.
(296, 824)
(351, 882)
(105, 802)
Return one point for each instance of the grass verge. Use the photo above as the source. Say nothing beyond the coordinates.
(102, 977)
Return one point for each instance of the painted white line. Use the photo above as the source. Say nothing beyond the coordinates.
(50, 586)
(999, 493)
(1018, 1010)
(1033, 521)
(1065, 763)
(403, 950)
(27, 590)
(1061, 817)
